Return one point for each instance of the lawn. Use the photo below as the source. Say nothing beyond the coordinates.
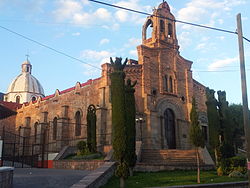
(169, 178)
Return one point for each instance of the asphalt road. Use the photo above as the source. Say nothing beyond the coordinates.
(46, 178)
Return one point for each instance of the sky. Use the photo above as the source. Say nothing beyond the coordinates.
(92, 33)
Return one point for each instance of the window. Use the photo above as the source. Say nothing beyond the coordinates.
(165, 83)
(204, 130)
(27, 121)
(171, 84)
(27, 69)
(78, 123)
(162, 26)
(33, 99)
(35, 131)
(170, 30)
(18, 99)
(54, 128)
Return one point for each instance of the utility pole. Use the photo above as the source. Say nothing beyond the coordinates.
(244, 93)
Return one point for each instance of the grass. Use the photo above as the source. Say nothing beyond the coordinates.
(169, 178)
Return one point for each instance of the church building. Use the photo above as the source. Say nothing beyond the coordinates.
(164, 92)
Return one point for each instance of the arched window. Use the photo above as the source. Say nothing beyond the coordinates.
(165, 83)
(54, 128)
(171, 85)
(162, 26)
(35, 131)
(33, 98)
(170, 30)
(78, 123)
(18, 99)
(147, 29)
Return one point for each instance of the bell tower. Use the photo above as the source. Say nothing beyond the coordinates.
(163, 33)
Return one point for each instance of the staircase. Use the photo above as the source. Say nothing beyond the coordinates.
(156, 160)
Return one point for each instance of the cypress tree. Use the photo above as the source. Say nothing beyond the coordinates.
(119, 136)
(130, 125)
(213, 122)
(91, 128)
(226, 124)
(196, 135)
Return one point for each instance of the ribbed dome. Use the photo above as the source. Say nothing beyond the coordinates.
(25, 82)
(24, 87)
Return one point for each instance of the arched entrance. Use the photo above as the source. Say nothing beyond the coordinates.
(169, 124)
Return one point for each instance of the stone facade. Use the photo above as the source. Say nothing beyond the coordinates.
(164, 93)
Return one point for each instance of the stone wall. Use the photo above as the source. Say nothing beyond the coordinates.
(77, 164)
(8, 123)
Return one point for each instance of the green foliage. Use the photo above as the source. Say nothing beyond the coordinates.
(91, 128)
(130, 123)
(82, 148)
(236, 114)
(229, 165)
(213, 119)
(119, 136)
(226, 150)
(122, 170)
(238, 161)
(196, 134)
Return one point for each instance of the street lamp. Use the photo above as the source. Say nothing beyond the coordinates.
(140, 120)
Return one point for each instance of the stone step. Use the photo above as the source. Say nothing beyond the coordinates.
(176, 157)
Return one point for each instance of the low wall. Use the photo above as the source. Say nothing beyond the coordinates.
(6, 177)
(77, 164)
(98, 177)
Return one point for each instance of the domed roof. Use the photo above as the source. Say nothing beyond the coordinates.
(164, 5)
(25, 82)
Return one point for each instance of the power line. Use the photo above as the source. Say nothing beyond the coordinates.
(48, 47)
(183, 22)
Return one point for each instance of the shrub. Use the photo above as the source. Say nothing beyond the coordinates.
(236, 174)
(229, 165)
(219, 171)
(82, 148)
(225, 165)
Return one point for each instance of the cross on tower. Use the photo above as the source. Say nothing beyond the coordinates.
(27, 56)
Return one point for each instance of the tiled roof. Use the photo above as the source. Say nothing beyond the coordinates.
(70, 89)
(10, 105)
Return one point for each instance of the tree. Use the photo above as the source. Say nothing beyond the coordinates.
(196, 135)
(91, 128)
(130, 125)
(213, 122)
(226, 124)
(236, 114)
(119, 136)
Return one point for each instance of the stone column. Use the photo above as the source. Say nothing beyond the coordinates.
(63, 129)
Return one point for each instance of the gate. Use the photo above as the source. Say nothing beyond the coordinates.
(23, 152)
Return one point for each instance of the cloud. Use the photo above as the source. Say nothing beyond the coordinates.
(95, 58)
(133, 53)
(98, 57)
(184, 39)
(125, 16)
(104, 41)
(197, 10)
(221, 63)
(74, 11)
(76, 34)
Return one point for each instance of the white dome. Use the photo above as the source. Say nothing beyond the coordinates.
(24, 87)
(25, 82)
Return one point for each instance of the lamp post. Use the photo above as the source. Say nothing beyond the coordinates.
(140, 120)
